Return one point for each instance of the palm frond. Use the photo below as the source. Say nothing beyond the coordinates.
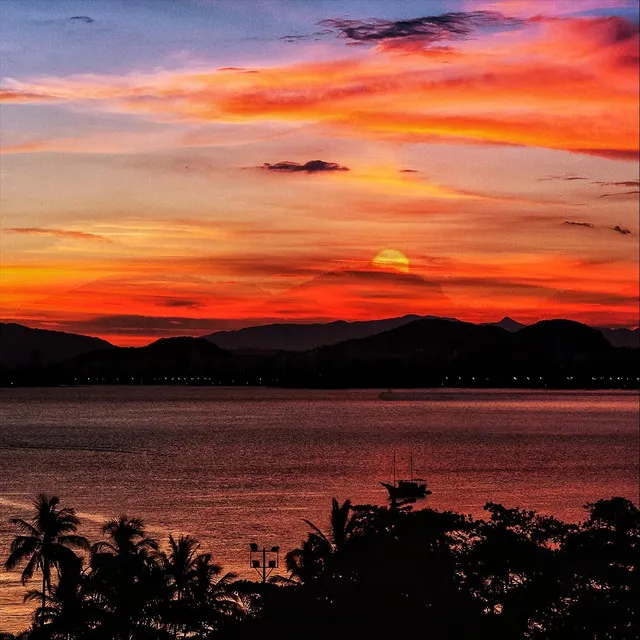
(72, 540)
(318, 531)
(284, 580)
(35, 595)
(148, 543)
(29, 570)
(226, 579)
(21, 548)
(24, 526)
(103, 547)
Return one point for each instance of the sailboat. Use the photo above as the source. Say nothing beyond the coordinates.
(406, 489)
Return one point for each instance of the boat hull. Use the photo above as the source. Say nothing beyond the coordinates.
(403, 491)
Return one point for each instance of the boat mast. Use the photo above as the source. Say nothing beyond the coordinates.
(394, 467)
(411, 467)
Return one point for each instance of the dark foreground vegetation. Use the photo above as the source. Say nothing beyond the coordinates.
(374, 572)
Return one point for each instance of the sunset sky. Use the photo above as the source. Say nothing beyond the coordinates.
(179, 167)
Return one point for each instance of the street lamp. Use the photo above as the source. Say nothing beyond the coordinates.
(264, 560)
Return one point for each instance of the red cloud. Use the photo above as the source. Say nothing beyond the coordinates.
(568, 84)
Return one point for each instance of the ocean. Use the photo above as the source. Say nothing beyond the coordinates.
(233, 466)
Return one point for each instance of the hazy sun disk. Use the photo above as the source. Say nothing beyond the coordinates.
(392, 260)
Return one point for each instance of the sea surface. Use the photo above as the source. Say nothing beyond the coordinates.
(233, 466)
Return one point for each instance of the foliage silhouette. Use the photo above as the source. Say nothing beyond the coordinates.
(376, 571)
(46, 542)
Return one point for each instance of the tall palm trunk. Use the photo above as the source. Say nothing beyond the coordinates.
(44, 597)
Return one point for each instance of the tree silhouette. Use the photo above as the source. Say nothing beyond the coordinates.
(196, 595)
(377, 571)
(46, 543)
(69, 611)
(126, 578)
(601, 561)
(309, 562)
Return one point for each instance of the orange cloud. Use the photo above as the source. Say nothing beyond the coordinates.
(60, 233)
(19, 96)
(138, 302)
(567, 84)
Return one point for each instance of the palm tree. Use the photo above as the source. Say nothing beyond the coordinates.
(125, 576)
(210, 591)
(309, 562)
(68, 611)
(339, 525)
(46, 542)
(179, 564)
(194, 591)
(127, 540)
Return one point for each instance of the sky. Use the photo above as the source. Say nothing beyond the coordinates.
(181, 167)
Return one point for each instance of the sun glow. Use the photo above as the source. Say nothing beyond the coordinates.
(392, 260)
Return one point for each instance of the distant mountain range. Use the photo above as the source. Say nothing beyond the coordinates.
(622, 337)
(405, 351)
(426, 351)
(301, 337)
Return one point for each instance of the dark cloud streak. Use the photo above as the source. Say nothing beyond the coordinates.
(580, 224)
(427, 29)
(84, 19)
(622, 194)
(177, 302)
(313, 166)
(624, 183)
(567, 178)
(619, 229)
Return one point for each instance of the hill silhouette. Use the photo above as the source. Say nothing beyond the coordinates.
(507, 323)
(22, 346)
(429, 352)
(165, 358)
(424, 352)
(293, 336)
(302, 337)
(622, 337)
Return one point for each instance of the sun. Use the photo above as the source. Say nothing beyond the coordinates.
(392, 260)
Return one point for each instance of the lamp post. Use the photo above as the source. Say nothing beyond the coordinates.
(264, 560)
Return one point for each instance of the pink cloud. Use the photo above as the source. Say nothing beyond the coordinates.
(567, 84)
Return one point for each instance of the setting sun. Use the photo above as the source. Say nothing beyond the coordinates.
(391, 259)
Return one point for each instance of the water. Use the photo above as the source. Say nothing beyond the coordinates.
(233, 466)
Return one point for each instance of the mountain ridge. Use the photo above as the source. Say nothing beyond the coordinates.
(423, 352)
(22, 346)
(277, 336)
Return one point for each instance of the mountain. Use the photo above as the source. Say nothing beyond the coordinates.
(559, 343)
(22, 346)
(616, 337)
(165, 358)
(507, 323)
(302, 337)
(622, 337)
(418, 352)
(428, 352)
